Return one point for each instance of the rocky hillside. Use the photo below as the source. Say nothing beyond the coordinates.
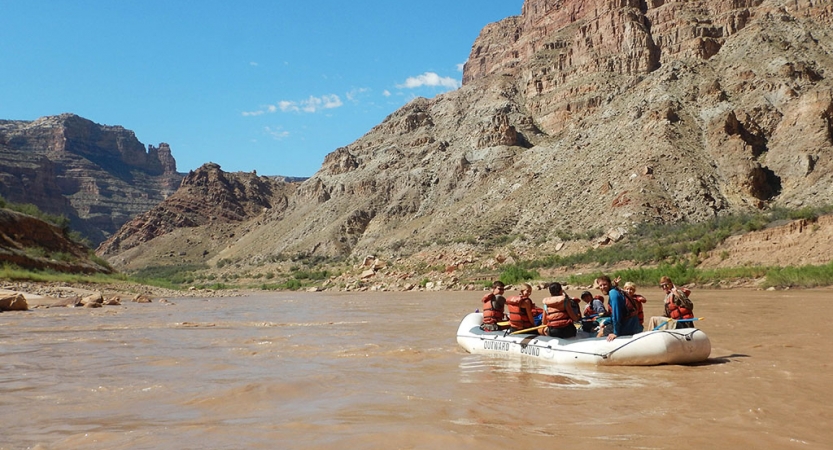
(208, 212)
(580, 115)
(98, 176)
(31, 243)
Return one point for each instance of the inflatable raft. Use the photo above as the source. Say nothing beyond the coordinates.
(649, 348)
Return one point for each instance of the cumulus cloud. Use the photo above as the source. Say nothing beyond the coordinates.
(429, 79)
(461, 66)
(287, 106)
(386, 93)
(314, 104)
(310, 105)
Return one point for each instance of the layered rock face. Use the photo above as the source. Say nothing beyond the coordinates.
(580, 115)
(98, 176)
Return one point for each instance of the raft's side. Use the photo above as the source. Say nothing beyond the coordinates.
(662, 347)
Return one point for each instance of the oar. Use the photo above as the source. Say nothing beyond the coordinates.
(503, 324)
(680, 320)
(528, 329)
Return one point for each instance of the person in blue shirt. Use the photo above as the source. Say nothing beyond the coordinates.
(624, 313)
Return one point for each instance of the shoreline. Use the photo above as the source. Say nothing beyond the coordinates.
(50, 294)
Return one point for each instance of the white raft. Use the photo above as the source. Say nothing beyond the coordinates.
(649, 348)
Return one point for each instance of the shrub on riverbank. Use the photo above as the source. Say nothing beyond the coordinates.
(809, 276)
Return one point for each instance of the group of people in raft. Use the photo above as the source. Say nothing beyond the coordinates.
(561, 315)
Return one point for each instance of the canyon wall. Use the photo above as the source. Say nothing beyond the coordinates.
(581, 115)
(96, 175)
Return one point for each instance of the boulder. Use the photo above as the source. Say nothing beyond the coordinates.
(13, 302)
(95, 297)
(141, 298)
(368, 274)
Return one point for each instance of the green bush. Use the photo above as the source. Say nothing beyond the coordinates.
(172, 277)
(516, 273)
(804, 276)
(292, 284)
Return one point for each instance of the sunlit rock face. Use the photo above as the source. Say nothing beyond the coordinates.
(98, 176)
(580, 115)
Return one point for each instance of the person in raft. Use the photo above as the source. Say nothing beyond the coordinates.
(521, 309)
(595, 308)
(493, 307)
(630, 289)
(677, 304)
(624, 316)
(560, 313)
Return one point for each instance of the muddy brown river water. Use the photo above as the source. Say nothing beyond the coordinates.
(384, 371)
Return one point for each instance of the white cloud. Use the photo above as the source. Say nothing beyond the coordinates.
(461, 66)
(311, 105)
(429, 79)
(276, 133)
(287, 106)
(314, 104)
(353, 94)
(386, 93)
(253, 64)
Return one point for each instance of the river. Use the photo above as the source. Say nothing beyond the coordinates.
(384, 371)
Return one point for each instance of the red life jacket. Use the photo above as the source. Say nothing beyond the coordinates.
(639, 301)
(518, 316)
(492, 314)
(588, 310)
(560, 312)
(674, 311)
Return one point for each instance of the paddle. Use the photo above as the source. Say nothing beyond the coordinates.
(680, 320)
(528, 329)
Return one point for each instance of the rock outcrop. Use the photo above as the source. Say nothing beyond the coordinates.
(202, 216)
(581, 115)
(97, 176)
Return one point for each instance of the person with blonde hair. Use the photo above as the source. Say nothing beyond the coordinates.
(630, 289)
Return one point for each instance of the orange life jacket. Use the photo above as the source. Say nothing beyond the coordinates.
(518, 316)
(674, 311)
(492, 314)
(560, 312)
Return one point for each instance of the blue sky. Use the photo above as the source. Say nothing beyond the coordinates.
(271, 86)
